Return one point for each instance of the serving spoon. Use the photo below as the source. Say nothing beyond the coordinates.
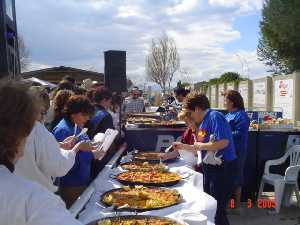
(83, 131)
(75, 129)
(168, 148)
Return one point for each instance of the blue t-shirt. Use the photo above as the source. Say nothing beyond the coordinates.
(100, 114)
(214, 123)
(80, 174)
(239, 123)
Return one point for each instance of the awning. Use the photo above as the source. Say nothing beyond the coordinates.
(41, 82)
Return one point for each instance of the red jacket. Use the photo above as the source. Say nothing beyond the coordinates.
(188, 137)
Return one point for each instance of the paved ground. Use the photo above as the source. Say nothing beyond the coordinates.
(259, 216)
(255, 216)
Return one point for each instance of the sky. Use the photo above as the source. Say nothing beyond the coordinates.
(212, 36)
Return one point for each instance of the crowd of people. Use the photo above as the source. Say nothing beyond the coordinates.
(28, 198)
(46, 150)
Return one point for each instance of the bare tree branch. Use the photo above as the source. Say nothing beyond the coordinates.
(162, 62)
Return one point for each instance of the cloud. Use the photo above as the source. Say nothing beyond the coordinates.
(77, 32)
(36, 66)
(183, 6)
(242, 5)
(203, 35)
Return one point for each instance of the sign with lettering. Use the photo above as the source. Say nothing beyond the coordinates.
(259, 94)
(283, 96)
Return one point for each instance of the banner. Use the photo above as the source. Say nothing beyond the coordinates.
(213, 96)
(259, 94)
(259, 115)
(221, 96)
(283, 97)
(244, 90)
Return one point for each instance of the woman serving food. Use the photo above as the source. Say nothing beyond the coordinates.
(239, 122)
(189, 137)
(217, 149)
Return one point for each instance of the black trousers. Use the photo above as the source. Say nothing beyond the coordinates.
(219, 182)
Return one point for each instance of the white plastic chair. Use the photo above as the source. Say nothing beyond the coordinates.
(283, 185)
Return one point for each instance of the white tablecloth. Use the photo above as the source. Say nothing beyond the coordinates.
(195, 201)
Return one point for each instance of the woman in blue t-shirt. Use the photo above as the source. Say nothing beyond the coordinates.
(239, 122)
(78, 110)
(217, 149)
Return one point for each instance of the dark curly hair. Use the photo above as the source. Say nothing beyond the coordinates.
(63, 85)
(78, 104)
(18, 113)
(60, 101)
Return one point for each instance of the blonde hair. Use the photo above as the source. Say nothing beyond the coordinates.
(41, 96)
(184, 116)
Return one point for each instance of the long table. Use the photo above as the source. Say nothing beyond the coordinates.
(195, 202)
(263, 145)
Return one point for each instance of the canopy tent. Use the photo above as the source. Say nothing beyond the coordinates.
(41, 82)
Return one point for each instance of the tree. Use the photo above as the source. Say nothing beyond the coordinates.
(201, 86)
(213, 81)
(179, 84)
(129, 83)
(162, 62)
(184, 75)
(24, 54)
(226, 78)
(183, 84)
(279, 45)
(229, 77)
(269, 56)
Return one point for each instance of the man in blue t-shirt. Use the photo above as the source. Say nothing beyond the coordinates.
(214, 140)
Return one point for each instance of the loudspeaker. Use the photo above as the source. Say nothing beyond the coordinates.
(9, 50)
(115, 71)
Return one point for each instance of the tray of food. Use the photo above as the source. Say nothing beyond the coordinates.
(162, 124)
(174, 123)
(143, 166)
(152, 178)
(148, 121)
(135, 220)
(141, 198)
(154, 157)
(144, 114)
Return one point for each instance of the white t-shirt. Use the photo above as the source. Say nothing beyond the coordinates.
(177, 105)
(116, 119)
(23, 202)
(43, 158)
